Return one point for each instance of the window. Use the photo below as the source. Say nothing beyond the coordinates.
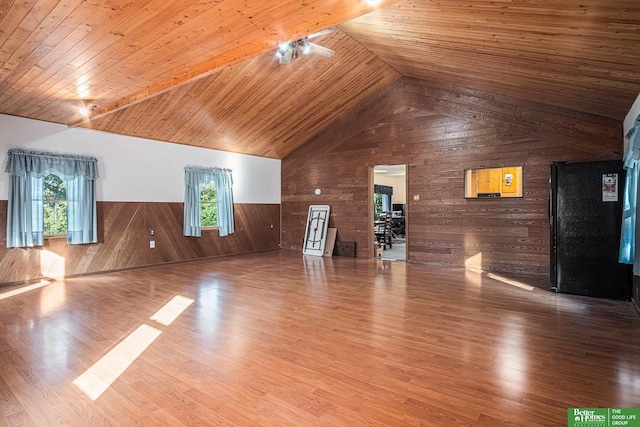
(208, 206)
(70, 198)
(55, 206)
(629, 253)
(213, 186)
(381, 199)
(377, 203)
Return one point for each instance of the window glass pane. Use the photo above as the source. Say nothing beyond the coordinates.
(55, 205)
(377, 205)
(208, 206)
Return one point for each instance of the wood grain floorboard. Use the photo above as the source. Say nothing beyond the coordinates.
(277, 339)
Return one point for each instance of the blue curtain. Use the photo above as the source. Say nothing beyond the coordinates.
(194, 179)
(386, 203)
(25, 214)
(37, 211)
(20, 221)
(631, 159)
(82, 221)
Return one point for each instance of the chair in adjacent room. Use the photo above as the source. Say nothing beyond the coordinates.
(383, 230)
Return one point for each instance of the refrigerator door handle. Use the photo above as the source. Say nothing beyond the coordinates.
(550, 205)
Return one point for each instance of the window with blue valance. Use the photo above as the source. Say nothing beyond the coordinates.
(386, 192)
(195, 178)
(25, 218)
(628, 253)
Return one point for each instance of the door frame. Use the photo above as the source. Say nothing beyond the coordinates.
(370, 215)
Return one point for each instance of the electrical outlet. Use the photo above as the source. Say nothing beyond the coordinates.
(152, 244)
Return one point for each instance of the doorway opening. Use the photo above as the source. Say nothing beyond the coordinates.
(389, 191)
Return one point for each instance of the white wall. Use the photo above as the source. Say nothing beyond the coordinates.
(139, 170)
(631, 117)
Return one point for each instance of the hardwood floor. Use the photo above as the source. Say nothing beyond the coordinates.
(275, 339)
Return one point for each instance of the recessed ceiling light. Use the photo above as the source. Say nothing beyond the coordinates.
(87, 111)
(373, 2)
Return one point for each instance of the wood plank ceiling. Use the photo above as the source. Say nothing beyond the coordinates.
(580, 55)
(204, 73)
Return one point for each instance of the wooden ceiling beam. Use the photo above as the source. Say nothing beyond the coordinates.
(339, 14)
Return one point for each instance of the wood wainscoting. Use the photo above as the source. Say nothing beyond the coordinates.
(439, 131)
(124, 233)
(278, 339)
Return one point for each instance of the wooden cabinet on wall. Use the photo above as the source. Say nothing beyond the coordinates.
(493, 182)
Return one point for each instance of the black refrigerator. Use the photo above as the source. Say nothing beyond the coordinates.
(585, 221)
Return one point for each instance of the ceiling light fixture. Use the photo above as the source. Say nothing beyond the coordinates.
(86, 112)
(288, 50)
(305, 47)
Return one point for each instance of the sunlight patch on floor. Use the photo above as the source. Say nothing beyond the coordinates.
(171, 310)
(474, 263)
(105, 371)
(98, 378)
(24, 289)
(52, 297)
(510, 282)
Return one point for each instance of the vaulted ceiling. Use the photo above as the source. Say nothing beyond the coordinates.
(204, 73)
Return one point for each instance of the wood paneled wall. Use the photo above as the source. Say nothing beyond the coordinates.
(439, 131)
(124, 233)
